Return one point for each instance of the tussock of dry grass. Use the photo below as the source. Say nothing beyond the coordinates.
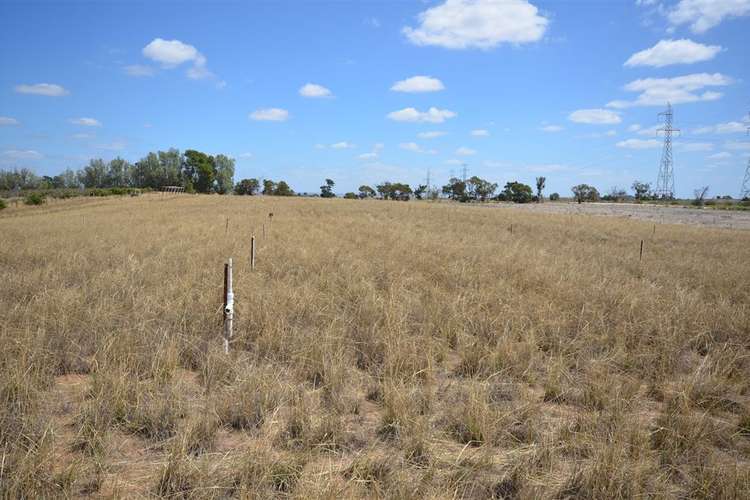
(382, 349)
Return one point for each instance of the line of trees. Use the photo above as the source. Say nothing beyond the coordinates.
(194, 170)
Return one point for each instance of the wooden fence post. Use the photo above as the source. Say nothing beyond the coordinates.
(640, 255)
(228, 305)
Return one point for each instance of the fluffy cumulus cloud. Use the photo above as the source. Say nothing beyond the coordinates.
(270, 115)
(418, 84)
(173, 53)
(86, 122)
(639, 144)
(595, 116)
(678, 90)
(723, 128)
(374, 154)
(342, 145)
(432, 115)
(47, 89)
(480, 132)
(431, 134)
(464, 151)
(314, 90)
(6, 121)
(668, 52)
(462, 24)
(702, 15)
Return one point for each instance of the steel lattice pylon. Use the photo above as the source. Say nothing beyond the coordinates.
(665, 181)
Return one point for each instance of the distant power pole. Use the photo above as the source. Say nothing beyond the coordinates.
(428, 178)
(463, 172)
(745, 192)
(665, 181)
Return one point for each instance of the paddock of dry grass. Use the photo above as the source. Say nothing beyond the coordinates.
(381, 349)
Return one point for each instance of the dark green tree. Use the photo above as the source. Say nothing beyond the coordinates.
(455, 189)
(199, 168)
(269, 187)
(517, 192)
(366, 191)
(584, 192)
(247, 187)
(283, 189)
(540, 183)
(641, 190)
(326, 190)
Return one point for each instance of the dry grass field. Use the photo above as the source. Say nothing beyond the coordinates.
(382, 349)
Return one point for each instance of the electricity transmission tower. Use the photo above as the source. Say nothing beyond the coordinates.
(665, 181)
(745, 192)
(463, 172)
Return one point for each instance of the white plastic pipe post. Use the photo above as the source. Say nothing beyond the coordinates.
(228, 307)
(252, 253)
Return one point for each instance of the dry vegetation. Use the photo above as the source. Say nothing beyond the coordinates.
(382, 349)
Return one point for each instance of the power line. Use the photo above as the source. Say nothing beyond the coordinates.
(665, 180)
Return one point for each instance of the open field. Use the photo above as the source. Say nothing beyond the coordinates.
(382, 349)
(729, 219)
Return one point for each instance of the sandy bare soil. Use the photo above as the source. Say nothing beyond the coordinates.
(660, 214)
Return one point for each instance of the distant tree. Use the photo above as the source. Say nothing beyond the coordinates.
(326, 190)
(351, 196)
(119, 173)
(540, 183)
(615, 194)
(455, 189)
(517, 192)
(269, 187)
(479, 189)
(419, 192)
(554, 197)
(247, 187)
(199, 167)
(584, 192)
(94, 175)
(700, 196)
(394, 191)
(147, 172)
(224, 174)
(641, 190)
(366, 191)
(67, 179)
(22, 178)
(170, 168)
(283, 189)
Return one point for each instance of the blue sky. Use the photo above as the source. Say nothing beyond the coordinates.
(511, 88)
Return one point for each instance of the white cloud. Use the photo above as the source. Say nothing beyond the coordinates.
(652, 131)
(314, 90)
(48, 89)
(721, 156)
(432, 115)
(270, 115)
(432, 134)
(6, 120)
(668, 52)
(172, 53)
(703, 15)
(462, 24)
(681, 89)
(138, 70)
(416, 148)
(480, 132)
(694, 146)
(342, 145)
(86, 122)
(639, 144)
(551, 128)
(464, 151)
(15, 154)
(368, 156)
(595, 116)
(722, 128)
(634, 127)
(418, 84)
